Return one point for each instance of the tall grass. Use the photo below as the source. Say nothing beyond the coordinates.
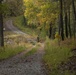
(10, 51)
(54, 55)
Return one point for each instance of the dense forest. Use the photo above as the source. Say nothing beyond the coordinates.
(51, 23)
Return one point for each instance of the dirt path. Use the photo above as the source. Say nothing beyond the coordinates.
(32, 65)
(9, 26)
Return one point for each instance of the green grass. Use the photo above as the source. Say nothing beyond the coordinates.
(8, 52)
(31, 52)
(54, 55)
(58, 72)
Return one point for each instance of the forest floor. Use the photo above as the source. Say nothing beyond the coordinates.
(20, 65)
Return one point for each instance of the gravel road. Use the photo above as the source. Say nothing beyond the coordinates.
(31, 65)
(10, 27)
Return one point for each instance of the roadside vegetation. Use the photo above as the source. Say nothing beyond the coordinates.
(9, 51)
(33, 50)
(56, 56)
(14, 44)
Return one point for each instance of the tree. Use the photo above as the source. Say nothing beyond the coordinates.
(1, 26)
(69, 24)
(42, 13)
(15, 7)
(66, 18)
(61, 19)
(74, 11)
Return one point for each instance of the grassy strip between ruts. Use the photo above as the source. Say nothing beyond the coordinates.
(8, 52)
(31, 52)
(55, 54)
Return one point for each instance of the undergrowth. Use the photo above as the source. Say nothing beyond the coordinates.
(55, 54)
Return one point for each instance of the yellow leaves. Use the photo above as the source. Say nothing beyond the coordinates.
(57, 36)
(43, 20)
(40, 11)
(27, 0)
(47, 27)
(39, 14)
(38, 28)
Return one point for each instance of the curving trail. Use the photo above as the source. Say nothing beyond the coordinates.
(9, 26)
(31, 65)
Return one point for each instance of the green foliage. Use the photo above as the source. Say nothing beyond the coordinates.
(19, 20)
(58, 37)
(10, 51)
(20, 23)
(4, 8)
(31, 11)
(41, 12)
(54, 55)
(57, 54)
(57, 72)
(15, 7)
(43, 34)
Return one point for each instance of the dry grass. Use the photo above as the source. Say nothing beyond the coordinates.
(17, 39)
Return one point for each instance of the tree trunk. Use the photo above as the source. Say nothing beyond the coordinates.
(59, 26)
(74, 11)
(1, 28)
(61, 19)
(66, 25)
(69, 27)
(50, 31)
(1, 31)
(66, 19)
